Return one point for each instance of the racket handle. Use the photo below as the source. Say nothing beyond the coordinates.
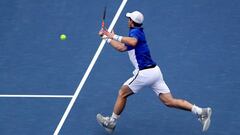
(103, 24)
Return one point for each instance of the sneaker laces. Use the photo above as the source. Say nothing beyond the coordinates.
(203, 116)
(106, 121)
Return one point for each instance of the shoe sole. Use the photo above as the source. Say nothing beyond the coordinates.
(208, 120)
(110, 131)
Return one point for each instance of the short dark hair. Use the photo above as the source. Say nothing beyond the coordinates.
(136, 24)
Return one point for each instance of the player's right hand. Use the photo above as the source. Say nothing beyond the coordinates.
(101, 33)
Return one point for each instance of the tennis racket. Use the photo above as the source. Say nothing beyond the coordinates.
(104, 16)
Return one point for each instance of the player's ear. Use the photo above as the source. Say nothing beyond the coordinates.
(130, 20)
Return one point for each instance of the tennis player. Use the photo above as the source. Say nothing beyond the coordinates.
(146, 73)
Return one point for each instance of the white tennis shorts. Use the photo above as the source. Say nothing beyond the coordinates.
(148, 77)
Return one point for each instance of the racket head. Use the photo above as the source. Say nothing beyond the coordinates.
(104, 12)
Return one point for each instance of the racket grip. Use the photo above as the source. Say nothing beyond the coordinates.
(103, 24)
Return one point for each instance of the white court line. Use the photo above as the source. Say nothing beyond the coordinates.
(88, 70)
(36, 96)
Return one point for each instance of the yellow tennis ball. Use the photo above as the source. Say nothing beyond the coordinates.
(63, 37)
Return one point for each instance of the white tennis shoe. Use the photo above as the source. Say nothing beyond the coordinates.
(205, 118)
(106, 122)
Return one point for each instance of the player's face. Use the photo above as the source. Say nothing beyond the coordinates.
(130, 23)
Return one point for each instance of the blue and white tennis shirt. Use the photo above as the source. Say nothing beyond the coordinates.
(140, 54)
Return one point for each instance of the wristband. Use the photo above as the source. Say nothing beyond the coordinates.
(108, 40)
(117, 38)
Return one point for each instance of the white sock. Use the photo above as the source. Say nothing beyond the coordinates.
(196, 110)
(114, 117)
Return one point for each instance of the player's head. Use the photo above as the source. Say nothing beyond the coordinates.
(135, 19)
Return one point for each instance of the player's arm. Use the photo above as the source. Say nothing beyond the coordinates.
(118, 42)
(117, 45)
(129, 40)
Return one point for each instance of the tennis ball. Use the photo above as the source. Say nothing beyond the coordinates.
(63, 37)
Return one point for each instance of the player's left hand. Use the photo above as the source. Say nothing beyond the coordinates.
(100, 33)
(103, 32)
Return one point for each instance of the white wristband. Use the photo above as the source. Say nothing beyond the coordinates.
(117, 38)
(108, 40)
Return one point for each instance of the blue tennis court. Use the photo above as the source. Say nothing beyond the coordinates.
(195, 43)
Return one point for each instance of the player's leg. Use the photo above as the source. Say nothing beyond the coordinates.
(121, 101)
(169, 101)
(204, 114)
(109, 123)
(161, 89)
(130, 87)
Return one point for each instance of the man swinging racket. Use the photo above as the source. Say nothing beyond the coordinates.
(146, 73)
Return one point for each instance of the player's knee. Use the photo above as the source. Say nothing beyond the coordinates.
(169, 103)
(120, 93)
(168, 100)
(124, 92)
